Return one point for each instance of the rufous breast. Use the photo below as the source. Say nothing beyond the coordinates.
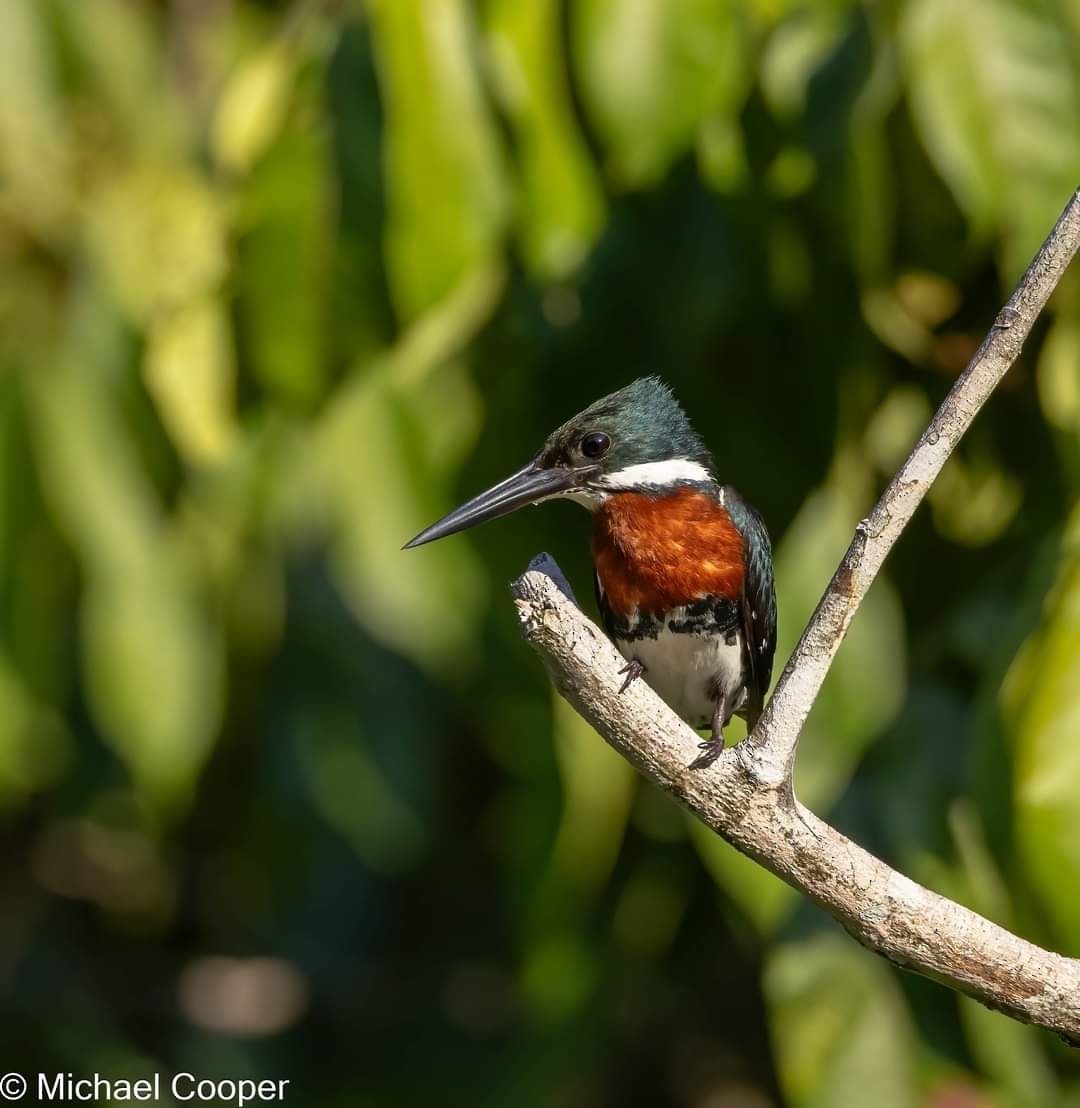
(655, 553)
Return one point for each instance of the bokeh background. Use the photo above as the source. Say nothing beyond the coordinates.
(280, 283)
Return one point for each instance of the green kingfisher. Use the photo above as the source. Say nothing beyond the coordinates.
(683, 565)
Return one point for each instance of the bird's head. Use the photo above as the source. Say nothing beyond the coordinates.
(637, 439)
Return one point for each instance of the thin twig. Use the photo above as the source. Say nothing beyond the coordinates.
(746, 796)
(776, 737)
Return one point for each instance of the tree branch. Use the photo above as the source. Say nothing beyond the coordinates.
(777, 735)
(747, 797)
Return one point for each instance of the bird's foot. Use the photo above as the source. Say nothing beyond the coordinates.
(713, 746)
(711, 749)
(633, 670)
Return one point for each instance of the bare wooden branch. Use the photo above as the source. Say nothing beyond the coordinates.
(883, 909)
(747, 795)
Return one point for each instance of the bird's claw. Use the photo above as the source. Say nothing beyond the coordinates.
(633, 670)
(711, 749)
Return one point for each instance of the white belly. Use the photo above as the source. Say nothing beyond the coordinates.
(687, 671)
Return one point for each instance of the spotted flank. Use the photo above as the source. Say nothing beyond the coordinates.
(693, 657)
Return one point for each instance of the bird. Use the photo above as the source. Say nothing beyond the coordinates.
(683, 564)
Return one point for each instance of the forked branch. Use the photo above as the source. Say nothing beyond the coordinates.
(746, 796)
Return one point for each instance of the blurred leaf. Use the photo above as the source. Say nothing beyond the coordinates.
(1041, 706)
(1010, 1054)
(839, 1026)
(34, 149)
(154, 669)
(190, 373)
(984, 889)
(445, 190)
(416, 360)
(871, 210)
(1059, 382)
(157, 232)
(1007, 1052)
(97, 493)
(252, 108)
(557, 976)
(561, 205)
(378, 467)
(773, 12)
(1059, 375)
(791, 269)
(764, 899)
(794, 52)
(721, 153)
(284, 264)
(927, 297)
(361, 303)
(152, 655)
(598, 788)
(895, 327)
(651, 907)
(441, 332)
(974, 500)
(654, 73)
(34, 742)
(895, 427)
(356, 799)
(791, 173)
(378, 477)
(995, 92)
(121, 64)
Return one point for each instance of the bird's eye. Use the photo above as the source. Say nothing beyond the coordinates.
(595, 444)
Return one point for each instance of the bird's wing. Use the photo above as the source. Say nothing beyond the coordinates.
(758, 600)
(606, 615)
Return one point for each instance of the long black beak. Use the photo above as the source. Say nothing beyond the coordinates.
(528, 486)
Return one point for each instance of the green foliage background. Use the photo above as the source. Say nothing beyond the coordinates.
(279, 284)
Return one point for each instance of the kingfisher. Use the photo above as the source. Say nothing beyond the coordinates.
(683, 564)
